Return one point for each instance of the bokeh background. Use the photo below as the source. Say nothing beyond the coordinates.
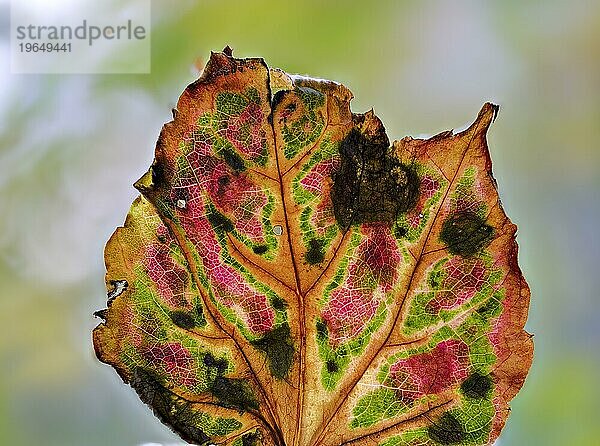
(72, 145)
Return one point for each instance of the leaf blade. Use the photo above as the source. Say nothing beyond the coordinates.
(360, 292)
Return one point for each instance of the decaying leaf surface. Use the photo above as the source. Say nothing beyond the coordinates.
(289, 277)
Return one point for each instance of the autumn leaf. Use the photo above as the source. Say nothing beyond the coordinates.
(289, 277)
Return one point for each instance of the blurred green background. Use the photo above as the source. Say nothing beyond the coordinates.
(72, 145)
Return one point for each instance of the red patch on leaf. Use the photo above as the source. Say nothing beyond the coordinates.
(371, 274)
(317, 177)
(428, 187)
(228, 285)
(169, 278)
(232, 193)
(463, 279)
(175, 361)
(431, 372)
(245, 132)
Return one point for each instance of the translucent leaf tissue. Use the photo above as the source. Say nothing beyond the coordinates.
(290, 277)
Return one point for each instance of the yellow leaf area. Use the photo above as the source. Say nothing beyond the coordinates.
(289, 277)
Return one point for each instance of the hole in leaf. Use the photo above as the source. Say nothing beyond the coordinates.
(119, 286)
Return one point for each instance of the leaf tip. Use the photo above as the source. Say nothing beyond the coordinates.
(489, 112)
(101, 314)
(145, 182)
